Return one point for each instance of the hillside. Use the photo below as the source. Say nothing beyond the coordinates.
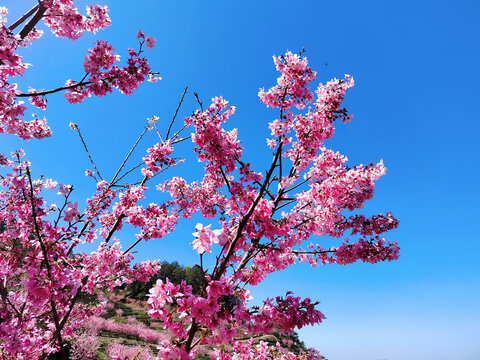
(125, 330)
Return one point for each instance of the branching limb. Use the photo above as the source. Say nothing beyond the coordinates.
(198, 100)
(128, 156)
(40, 11)
(52, 91)
(217, 273)
(58, 329)
(24, 17)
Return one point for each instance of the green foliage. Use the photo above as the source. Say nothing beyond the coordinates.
(175, 272)
(202, 357)
(143, 317)
(119, 319)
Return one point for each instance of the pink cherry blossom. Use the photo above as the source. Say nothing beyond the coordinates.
(150, 41)
(204, 238)
(72, 212)
(302, 206)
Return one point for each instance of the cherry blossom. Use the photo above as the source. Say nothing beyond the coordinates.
(304, 207)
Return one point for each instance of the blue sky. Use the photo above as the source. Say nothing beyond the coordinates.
(415, 106)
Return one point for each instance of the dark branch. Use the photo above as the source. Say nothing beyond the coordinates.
(23, 18)
(33, 21)
(176, 112)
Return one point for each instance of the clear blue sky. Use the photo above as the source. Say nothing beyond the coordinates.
(415, 106)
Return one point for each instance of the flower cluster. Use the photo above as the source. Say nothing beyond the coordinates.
(204, 238)
(96, 324)
(157, 158)
(64, 20)
(84, 347)
(11, 110)
(102, 75)
(291, 88)
(41, 276)
(248, 350)
(117, 351)
(266, 220)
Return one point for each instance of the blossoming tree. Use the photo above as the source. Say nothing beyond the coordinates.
(255, 223)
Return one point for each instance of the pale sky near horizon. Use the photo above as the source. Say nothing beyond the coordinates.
(415, 105)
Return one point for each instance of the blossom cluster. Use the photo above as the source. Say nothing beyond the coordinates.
(84, 347)
(96, 324)
(266, 219)
(11, 110)
(41, 276)
(219, 312)
(64, 20)
(157, 158)
(248, 350)
(118, 351)
(102, 75)
(204, 238)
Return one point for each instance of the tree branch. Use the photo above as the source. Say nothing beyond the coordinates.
(58, 329)
(52, 91)
(23, 17)
(176, 112)
(86, 149)
(33, 21)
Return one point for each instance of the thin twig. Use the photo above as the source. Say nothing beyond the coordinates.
(300, 184)
(158, 132)
(182, 139)
(178, 133)
(129, 171)
(60, 211)
(67, 87)
(86, 149)
(176, 112)
(285, 204)
(132, 246)
(4, 294)
(46, 92)
(198, 100)
(128, 156)
(225, 178)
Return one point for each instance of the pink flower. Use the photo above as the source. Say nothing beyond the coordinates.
(204, 238)
(140, 34)
(150, 41)
(37, 101)
(101, 56)
(50, 184)
(98, 18)
(72, 212)
(153, 78)
(64, 189)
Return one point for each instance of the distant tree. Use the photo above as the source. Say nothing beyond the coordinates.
(175, 273)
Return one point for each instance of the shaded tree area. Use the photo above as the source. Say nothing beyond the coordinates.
(175, 272)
